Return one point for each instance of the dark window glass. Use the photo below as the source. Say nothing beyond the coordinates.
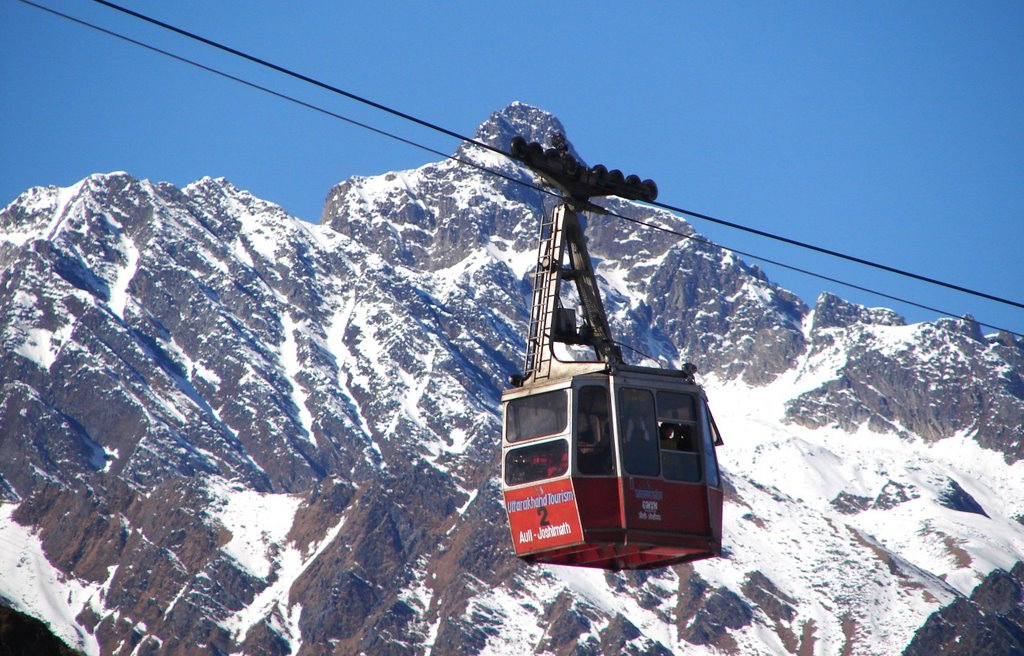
(675, 406)
(639, 431)
(537, 415)
(710, 459)
(679, 458)
(594, 452)
(680, 466)
(535, 462)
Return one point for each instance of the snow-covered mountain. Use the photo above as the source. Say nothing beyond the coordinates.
(224, 430)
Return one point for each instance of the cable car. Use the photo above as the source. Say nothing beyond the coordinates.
(604, 464)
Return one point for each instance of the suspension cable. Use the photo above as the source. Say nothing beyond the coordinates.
(481, 168)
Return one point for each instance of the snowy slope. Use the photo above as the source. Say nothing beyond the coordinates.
(38, 589)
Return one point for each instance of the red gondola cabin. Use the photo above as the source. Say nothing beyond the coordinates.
(628, 484)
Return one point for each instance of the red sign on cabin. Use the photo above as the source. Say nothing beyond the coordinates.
(543, 516)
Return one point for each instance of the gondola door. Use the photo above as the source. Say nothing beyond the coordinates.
(666, 503)
(596, 462)
(647, 503)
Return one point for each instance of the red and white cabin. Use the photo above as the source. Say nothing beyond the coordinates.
(612, 470)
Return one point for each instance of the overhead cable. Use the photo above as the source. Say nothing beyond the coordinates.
(835, 253)
(475, 142)
(509, 178)
(807, 272)
(284, 96)
(300, 76)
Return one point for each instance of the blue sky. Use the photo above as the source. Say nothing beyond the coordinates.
(890, 131)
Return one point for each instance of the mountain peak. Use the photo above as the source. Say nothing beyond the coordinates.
(519, 119)
(209, 188)
(830, 311)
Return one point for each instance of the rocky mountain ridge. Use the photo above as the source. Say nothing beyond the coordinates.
(233, 430)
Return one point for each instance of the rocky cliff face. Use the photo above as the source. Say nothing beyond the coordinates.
(930, 380)
(224, 429)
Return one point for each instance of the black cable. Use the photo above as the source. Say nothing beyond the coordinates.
(807, 272)
(834, 253)
(456, 135)
(300, 76)
(512, 179)
(292, 99)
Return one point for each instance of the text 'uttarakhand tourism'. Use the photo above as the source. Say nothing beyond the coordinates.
(539, 501)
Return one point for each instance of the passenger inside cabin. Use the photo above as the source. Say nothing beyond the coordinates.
(677, 437)
(667, 434)
(679, 459)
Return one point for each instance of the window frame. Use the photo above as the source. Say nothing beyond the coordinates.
(563, 461)
(579, 424)
(522, 400)
(628, 453)
(684, 466)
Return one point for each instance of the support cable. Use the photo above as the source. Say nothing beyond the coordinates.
(834, 253)
(806, 272)
(475, 142)
(292, 99)
(299, 76)
(483, 169)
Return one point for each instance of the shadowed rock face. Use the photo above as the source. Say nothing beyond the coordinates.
(22, 634)
(990, 622)
(238, 432)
